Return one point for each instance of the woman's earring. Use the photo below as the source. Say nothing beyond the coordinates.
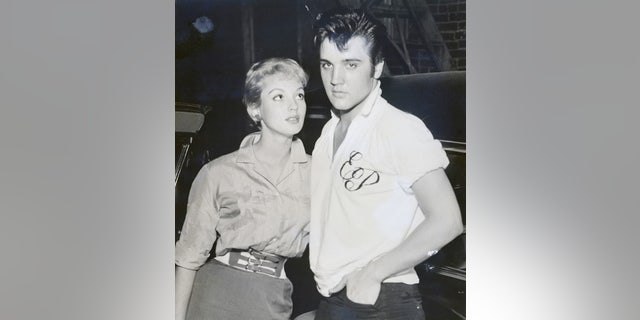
(257, 116)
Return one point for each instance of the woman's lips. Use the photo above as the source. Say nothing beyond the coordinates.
(293, 119)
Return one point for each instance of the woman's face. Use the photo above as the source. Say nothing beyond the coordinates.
(282, 105)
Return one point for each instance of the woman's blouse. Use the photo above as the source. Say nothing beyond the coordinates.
(232, 200)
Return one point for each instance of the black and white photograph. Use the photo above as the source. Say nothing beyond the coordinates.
(320, 159)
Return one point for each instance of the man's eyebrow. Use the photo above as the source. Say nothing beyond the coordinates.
(344, 60)
(274, 89)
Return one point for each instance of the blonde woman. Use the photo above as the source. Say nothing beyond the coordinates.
(255, 203)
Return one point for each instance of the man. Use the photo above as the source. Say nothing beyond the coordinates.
(380, 200)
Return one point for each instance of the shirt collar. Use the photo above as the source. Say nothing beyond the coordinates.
(246, 154)
(370, 100)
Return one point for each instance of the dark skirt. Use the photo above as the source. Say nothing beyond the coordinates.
(222, 292)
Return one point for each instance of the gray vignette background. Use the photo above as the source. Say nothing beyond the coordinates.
(86, 131)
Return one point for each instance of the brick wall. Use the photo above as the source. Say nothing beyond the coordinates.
(451, 17)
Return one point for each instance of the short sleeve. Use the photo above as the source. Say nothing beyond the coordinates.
(414, 151)
(198, 231)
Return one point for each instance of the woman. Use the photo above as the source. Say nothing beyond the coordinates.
(255, 203)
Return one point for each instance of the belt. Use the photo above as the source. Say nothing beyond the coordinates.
(257, 261)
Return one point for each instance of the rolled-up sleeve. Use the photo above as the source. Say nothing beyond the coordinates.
(199, 229)
(415, 151)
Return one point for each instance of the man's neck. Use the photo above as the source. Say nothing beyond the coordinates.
(346, 118)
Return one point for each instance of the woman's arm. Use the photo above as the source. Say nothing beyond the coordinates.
(184, 284)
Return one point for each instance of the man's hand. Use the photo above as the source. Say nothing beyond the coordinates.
(363, 286)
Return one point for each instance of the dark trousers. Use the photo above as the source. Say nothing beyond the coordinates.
(396, 301)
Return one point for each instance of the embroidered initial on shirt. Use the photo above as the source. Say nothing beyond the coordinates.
(356, 176)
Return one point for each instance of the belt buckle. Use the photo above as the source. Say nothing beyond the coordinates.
(253, 263)
(256, 254)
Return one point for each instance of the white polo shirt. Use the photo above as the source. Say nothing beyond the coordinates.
(362, 204)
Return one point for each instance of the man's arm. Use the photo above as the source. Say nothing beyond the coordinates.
(442, 224)
(184, 284)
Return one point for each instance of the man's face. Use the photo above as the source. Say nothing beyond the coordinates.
(349, 75)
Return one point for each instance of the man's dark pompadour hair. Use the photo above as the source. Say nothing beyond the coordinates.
(340, 24)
